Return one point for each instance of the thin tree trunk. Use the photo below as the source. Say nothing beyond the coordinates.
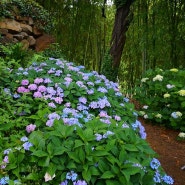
(121, 25)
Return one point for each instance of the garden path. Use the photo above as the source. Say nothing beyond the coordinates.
(171, 152)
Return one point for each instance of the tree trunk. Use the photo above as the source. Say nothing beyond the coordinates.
(121, 25)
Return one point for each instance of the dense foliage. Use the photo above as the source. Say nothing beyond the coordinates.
(162, 94)
(63, 125)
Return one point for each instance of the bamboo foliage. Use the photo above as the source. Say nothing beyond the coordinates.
(80, 29)
(156, 38)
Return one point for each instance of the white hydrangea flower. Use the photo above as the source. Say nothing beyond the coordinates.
(169, 86)
(182, 135)
(166, 95)
(179, 114)
(145, 107)
(145, 116)
(181, 92)
(48, 177)
(174, 70)
(144, 79)
(158, 78)
(158, 116)
(142, 113)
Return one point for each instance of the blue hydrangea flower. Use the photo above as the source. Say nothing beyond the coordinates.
(157, 177)
(155, 164)
(27, 145)
(4, 180)
(167, 179)
(71, 175)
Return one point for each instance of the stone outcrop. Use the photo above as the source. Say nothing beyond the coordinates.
(22, 29)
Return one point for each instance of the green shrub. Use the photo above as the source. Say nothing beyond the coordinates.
(60, 124)
(54, 51)
(162, 94)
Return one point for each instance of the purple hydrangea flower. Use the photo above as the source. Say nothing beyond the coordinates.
(32, 87)
(90, 91)
(83, 100)
(58, 100)
(50, 122)
(80, 182)
(47, 80)
(37, 94)
(102, 89)
(117, 118)
(22, 90)
(5, 160)
(25, 82)
(30, 128)
(51, 104)
(54, 115)
(42, 88)
(64, 182)
(7, 151)
(51, 91)
(38, 80)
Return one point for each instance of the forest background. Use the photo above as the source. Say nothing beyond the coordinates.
(155, 36)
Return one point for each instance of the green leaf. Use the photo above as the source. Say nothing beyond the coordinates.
(66, 93)
(33, 176)
(131, 147)
(59, 151)
(94, 170)
(71, 165)
(86, 175)
(103, 166)
(108, 175)
(81, 154)
(100, 153)
(40, 153)
(78, 143)
(74, 156)
(44, 162)
(50, 149)
(112, 182)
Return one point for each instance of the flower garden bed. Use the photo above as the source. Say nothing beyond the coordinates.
(61, 124)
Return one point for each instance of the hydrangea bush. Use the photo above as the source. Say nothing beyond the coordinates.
(63, 125)
(162, 95)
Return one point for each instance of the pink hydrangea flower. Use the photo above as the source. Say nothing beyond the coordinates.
(37, 94)
(117, 118)
(25, 82)
(38, 80)
(30, 128)
(41, 88)
(58, 100)
(22, 89)
(32, 87)
(50, 122)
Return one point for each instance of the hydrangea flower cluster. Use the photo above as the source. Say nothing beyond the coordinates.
(56, 94)
(74, 97)
(162, 91)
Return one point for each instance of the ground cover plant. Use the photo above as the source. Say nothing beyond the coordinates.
(162, 95)
(61, 124)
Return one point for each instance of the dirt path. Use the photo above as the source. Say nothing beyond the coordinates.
(171, 151)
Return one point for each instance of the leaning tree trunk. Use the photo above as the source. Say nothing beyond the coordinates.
(121, 24)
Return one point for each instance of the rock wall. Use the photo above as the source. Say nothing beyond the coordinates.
(22, 29)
